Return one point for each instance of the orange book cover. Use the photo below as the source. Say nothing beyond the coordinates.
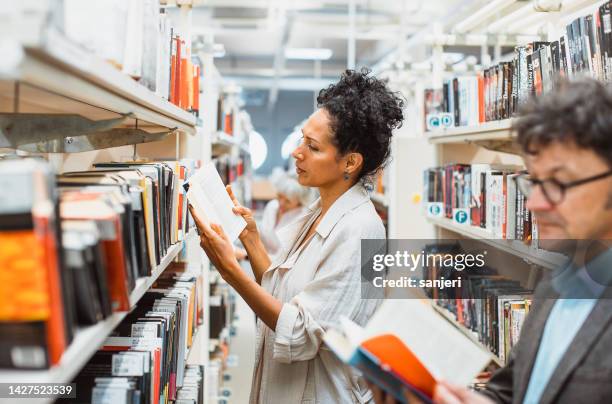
(173, 67)
(184, 79)
(196, 88)
(481, 99)
(56, 330)
(391, 351)
(189, 79)
(229, 129)
(178, 72)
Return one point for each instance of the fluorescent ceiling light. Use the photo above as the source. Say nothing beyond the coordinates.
(308, 53)
(518, 15)
(480, 16)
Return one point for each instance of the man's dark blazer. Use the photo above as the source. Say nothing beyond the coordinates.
(584, 373)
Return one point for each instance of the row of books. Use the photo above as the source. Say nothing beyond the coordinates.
(230, 168)
(496, 93)
(225, 117)
(73, 246)
(492, 306)
(145, 358)
(486, 193)
(137, 37)
(219, 303)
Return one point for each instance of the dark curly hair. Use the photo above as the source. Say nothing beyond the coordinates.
(363, 114)
(578, 111)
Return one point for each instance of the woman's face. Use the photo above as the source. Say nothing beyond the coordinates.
(285, 204)
(317, 161)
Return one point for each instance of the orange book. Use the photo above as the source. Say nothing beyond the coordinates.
(184, 78)
(173, 66)
(481, 99)
(56, 329)
(196, 88)
(32, 316)
(408, 345)
(228, 126)
(176, 88)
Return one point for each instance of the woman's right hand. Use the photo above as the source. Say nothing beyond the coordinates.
(250, 231)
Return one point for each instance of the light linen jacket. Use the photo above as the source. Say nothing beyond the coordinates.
(317, 286)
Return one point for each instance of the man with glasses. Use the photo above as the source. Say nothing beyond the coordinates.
(564, 354)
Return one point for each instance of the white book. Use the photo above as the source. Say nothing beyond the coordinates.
(511, 207)
(134, 40)
(407, 343)
(212, 204)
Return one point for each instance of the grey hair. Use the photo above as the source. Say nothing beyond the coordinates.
(291, 188)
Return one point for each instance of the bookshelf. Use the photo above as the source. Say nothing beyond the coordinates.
(450, 317)
(539, 257)
(87, 340)
(495, 130)
(493, 143)
(57, 76)
(52, 76)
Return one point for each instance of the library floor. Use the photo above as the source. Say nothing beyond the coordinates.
(241, 355)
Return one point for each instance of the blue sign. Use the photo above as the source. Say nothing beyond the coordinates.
(461, 216)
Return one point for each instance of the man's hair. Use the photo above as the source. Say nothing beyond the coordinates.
(578, 111)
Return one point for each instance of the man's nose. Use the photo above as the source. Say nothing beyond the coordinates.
(537, 201)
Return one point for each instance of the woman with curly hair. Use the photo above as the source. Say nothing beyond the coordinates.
(316, 278)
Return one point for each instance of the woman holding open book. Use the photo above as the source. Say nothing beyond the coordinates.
(316, 278)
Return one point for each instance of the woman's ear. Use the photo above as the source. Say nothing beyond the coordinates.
(354, 162)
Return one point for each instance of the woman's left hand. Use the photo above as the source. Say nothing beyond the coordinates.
(217, 246)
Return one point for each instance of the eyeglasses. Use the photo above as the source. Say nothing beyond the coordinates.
(553, 190)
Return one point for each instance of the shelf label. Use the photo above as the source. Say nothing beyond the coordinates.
(127, 365)
(435, 209)
(461, 216)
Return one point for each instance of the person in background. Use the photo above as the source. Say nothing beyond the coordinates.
(316, 278)
(563, 354)
(291, 202)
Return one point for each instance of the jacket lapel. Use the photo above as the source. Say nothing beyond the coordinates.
(594, 325)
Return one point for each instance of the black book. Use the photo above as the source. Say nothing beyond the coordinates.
(457, 112)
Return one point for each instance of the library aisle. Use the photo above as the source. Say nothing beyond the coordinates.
(412, 196)
(242, 348)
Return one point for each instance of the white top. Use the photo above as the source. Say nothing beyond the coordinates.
(318, 284)
(269, 227)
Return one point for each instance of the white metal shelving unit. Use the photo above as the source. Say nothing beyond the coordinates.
(539, 257)
(495, 130)
(58, 76)
(51, 75)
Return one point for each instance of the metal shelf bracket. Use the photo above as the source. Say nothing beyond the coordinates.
(68, 133)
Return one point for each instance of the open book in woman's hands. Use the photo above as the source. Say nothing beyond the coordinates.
(208, 196)
(408, 345)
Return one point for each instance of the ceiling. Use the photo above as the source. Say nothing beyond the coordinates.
(255, 34)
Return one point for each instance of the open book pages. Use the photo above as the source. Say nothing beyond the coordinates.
(208, 196)
(437, 344)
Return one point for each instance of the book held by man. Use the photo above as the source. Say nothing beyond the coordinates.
(408, 346)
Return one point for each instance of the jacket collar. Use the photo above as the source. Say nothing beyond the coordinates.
(289, 234)
(349, 200)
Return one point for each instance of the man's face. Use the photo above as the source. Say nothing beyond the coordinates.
(586, 210)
